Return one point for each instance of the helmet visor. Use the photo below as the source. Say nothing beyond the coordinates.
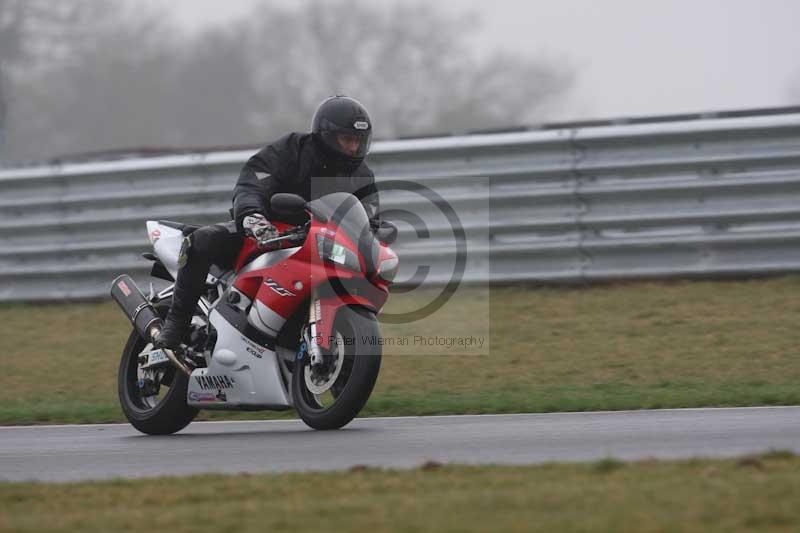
(349, 143)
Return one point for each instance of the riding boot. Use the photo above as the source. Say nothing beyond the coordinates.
(187, 291)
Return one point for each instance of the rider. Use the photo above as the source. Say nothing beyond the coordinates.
(329, 159)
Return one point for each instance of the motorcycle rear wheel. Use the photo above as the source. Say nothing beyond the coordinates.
(353, 381)
(164, 415)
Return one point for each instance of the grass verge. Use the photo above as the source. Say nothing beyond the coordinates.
(745, 494)
(629, 346)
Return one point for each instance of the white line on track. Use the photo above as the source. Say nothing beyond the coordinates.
(551, 413)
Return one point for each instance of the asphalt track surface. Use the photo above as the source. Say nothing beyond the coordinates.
(67, 453)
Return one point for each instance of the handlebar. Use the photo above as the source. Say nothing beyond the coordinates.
(386, 233)
(297, 233)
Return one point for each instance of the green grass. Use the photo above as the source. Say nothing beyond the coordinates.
(746, 494)
(627, 346)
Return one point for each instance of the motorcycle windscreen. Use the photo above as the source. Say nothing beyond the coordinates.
(346, 212)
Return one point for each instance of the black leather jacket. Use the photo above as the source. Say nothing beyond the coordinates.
(293, 164)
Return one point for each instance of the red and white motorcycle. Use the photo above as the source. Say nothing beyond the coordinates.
(292, 326)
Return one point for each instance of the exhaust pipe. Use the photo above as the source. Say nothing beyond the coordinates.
(136, 307)
(141, 313)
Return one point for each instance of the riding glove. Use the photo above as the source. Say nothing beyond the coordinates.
(256, 225)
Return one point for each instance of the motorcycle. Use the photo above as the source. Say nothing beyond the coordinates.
(292, 325)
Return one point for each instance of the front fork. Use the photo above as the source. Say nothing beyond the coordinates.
(312, 340)
(321, 316)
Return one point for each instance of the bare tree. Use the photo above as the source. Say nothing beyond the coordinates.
(410, 64)
(11, 41)
(127, 79)
(40, 41)
(118, 92)
(215, 96)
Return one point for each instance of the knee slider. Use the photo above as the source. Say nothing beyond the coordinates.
(183, 257)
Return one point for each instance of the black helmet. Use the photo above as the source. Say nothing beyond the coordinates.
(341, 127)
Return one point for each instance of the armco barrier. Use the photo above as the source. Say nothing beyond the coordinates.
(672, 197)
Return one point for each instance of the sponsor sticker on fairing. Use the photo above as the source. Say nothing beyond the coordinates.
(157, 357)
(202, 397)
(338, 254)
(252, 348)
(124, 288)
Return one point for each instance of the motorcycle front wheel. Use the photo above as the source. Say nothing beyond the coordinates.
(330, 396)
(155, 403)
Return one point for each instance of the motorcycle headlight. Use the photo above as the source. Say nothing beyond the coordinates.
(333, 252)
(388, 269)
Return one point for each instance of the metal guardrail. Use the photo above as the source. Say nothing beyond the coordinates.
(694, 196)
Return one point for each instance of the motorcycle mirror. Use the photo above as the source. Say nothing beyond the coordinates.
(387, 233)
(287, 204)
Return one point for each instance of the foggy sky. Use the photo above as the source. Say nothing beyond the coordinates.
(632, 57)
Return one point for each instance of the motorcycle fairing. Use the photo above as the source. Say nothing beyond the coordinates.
(280, 283)
(241, 374)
